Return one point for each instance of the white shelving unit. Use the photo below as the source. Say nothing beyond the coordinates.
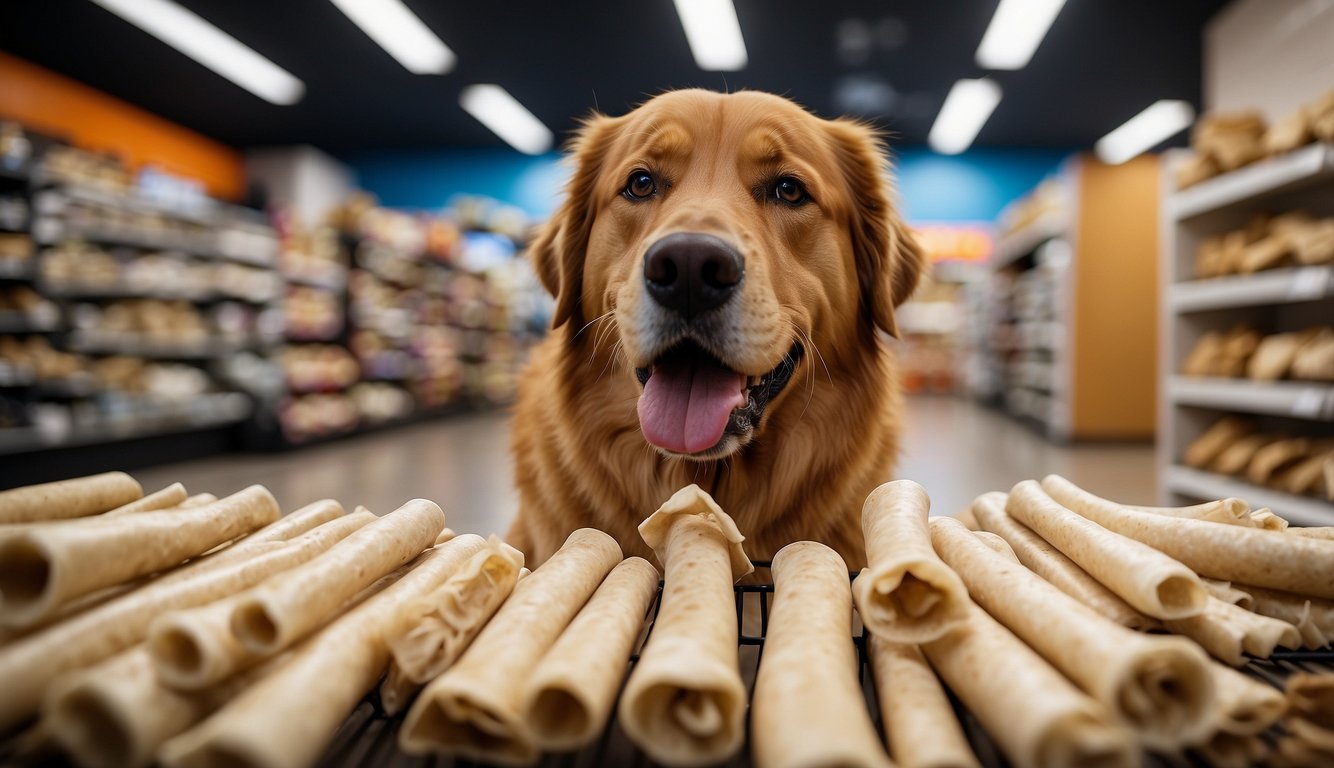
(1272, 301)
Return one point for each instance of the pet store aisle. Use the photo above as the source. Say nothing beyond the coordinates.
(953, 447)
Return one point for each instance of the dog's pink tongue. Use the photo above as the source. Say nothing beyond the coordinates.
(686, 404)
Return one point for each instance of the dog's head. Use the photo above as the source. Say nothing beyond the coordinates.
(724, 235)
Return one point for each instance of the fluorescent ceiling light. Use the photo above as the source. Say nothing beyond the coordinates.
(966, 109)
(1015, 32)
(1157, 123)
(210, 46)
(714, 34)
(397, 30)
(495, 108)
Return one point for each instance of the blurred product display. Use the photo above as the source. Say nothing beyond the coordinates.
(1224, 142)
(133, 303)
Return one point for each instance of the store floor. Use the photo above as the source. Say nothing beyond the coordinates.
(953, 447)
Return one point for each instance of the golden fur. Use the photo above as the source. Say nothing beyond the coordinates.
(826, 274)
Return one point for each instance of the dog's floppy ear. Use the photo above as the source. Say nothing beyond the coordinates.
(558, 250)
(889, 261)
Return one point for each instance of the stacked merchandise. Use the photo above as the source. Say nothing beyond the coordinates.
(120, 295)
(1250, 389)
(1045, 626)
(1226, 142)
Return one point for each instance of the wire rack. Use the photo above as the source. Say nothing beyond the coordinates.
(369, 738)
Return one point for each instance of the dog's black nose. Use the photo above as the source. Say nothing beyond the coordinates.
(692, 272)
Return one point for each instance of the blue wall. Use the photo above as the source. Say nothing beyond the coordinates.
(973, 186)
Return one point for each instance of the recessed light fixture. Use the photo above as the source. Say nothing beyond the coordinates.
(1015, 32)
(966, 109)
(1157, 123)
(714, 34)
(495, 108)
(185, 31)
(401, 34)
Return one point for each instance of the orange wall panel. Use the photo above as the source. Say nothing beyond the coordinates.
(56, 105)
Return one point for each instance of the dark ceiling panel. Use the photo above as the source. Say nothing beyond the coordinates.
(1102, 62)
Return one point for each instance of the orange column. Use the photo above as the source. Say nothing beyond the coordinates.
(53, 104)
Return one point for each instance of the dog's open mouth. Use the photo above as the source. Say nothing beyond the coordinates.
(692, 402)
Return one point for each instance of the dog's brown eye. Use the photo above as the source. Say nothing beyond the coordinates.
(789, 190)
(641, 185)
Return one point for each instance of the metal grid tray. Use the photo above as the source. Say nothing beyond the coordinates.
(369, 738)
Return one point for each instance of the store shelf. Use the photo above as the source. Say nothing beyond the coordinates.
(1304, 167)
(1300, 510)
(334, 280)
(1020, 243)
(1295, 399)
(27, 439)
(149, 349)
(19, 322)
(1279, 286)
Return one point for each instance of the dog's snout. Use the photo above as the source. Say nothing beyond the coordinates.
(691, 273)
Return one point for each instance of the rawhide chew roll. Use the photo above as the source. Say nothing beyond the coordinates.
(1313, 532)
(1313, 616)
(199, 500)
(808, 707)
(442, 623)
(685, 703)
(1149, 580)
(1227, 631)
(906, 594)
(1039, 556)
(195, 648)
(29, 663)
(1222, 590)
(997, 544)
(1242, 704)
(1038, 718)
(42, 568)
(284, 609)
(115, 714)
(1157, 685)
(920, 724)
(1274, 559)
(287, 718)
(64, 499)
(1230, 511)
(474, 709)
(571, 693)
(171, 496)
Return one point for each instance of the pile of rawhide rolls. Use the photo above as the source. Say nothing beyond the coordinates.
(194, 631)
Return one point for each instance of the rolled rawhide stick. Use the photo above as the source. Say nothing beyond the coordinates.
(920, 724)
(115, 714)
(1313, 616)
(171, 496)
(64, 499)
(1227, 632)
(1157, 685)
(1038, 718)
(284, 609)
(1266, 519)
(1223, 590)
(1274, 559)
(1039, 556)
(1230, 511)
(444, 622)
(1312, 733)
(28, 664)
(906, 594)
(200, 499)
(1242, 704)
(571, 693)
(283, 529)
(1147, 579)
(1311, 697)
(1313, 532)
(287, 718)
(997, 544)
(808, 706)
(685, 703)
(473, 710)
(1229, 750)
(442, 537)
(969, 520)
(43, 568)
(194, 649)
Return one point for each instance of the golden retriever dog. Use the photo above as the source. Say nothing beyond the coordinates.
(723, 267)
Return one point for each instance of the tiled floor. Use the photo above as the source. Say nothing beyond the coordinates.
(954, 448)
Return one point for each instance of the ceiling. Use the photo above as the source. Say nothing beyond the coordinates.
(893, 61)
